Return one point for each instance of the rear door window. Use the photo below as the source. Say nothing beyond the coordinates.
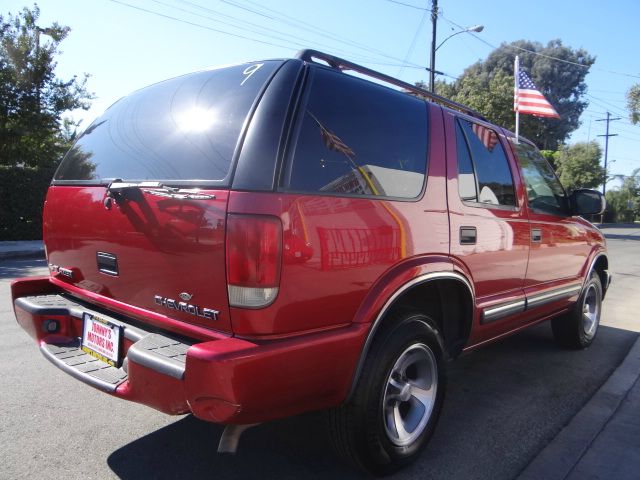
(484, 175)
(359, 138)
(178, 131)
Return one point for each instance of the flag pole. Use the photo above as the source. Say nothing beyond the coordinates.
(516, 71)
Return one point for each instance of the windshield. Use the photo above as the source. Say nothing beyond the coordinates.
(180, 130)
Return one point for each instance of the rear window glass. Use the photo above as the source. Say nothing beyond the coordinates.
(490, 166)
(359, 138)
(183, 129)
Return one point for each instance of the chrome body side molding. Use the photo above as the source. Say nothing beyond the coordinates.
(557, 294)
(496, 313)
(491, 314)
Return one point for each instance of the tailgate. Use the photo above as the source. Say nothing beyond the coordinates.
(157, 253)
(137, 209)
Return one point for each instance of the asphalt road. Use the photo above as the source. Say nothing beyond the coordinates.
(504, 404)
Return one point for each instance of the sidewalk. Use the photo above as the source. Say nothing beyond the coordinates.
(21, 249)
(603, 440)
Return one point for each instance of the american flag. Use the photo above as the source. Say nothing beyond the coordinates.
(528, 99)
(333, 141)
(487, 136)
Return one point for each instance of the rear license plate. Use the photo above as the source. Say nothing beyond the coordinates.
(102, 339)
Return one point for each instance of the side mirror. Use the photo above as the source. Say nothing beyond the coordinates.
(587, 202)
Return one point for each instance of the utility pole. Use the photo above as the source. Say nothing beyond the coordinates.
(434, 21)
(606, 146)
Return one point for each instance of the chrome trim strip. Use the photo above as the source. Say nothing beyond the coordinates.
(548, 297)
(496, 313)
(428, 277)
(593, 265)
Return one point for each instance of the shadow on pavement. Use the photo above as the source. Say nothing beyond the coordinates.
(293, 448)
(617, 236)
(604, 226)
(504, 403)
(22, 268)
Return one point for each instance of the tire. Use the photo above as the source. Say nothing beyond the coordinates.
(577, 329)
(395, 407)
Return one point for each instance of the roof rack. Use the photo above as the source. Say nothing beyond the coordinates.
(309, 55)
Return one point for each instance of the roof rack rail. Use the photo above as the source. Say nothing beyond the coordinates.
(309, 55)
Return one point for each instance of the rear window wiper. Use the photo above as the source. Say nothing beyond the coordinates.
(118, 187)
(119, 190)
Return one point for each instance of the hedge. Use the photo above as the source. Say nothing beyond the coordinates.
(22, 193)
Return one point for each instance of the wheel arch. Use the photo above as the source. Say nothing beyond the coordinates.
(600, 265)
(426, 294)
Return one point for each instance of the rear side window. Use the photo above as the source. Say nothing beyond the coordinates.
(359, 138)
(484, 175)
(183, 129)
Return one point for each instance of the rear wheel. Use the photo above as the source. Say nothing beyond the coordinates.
(397, 400)
(578, 328)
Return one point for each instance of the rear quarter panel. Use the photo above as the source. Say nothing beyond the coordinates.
(337, 250)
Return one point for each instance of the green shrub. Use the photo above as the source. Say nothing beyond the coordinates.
(22, 194)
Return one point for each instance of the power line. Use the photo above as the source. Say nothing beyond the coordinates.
(244, 37)
(295, 23)
(235, 4)
(301, 42)
(190, 12)
(409, 5)
(306, 26)
(602, 104)
(614, 100)
(608, 91)
(543, 54)
(413, 42)
(152, 12)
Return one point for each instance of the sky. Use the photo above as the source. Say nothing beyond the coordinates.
(127, 44)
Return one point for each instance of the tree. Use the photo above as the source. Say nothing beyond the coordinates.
(624, 202)
(32, 99)
(33, 132)
(487, 86)
(633, 103)
(491, 95)
(551, 157)
(578, 165)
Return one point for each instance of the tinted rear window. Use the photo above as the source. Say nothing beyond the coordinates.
(359, 138)
(183, 129)
(490, 165)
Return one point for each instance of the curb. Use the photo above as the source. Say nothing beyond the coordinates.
(562, 454)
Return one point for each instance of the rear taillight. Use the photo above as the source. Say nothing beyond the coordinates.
(254, 256)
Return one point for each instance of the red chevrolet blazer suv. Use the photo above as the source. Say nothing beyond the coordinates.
(266, 239)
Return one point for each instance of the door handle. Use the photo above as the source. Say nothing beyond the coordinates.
(468, 235)
(536, 235)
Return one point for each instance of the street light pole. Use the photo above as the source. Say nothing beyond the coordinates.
(432, 64)
(434, 48)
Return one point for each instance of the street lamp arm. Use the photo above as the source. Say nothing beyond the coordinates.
(432, 65)
(452, 35)
(477, 28)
